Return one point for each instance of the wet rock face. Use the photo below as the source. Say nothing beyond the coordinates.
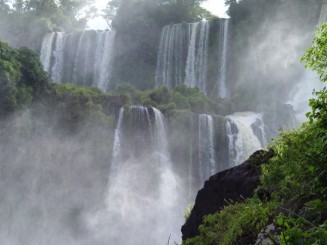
(234, 184)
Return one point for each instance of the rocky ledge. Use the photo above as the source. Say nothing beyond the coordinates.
(231, 185)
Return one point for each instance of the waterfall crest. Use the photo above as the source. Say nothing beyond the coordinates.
(83, 58)
(184, 52)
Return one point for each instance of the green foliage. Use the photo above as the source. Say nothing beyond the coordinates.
(97, 117)
(299, 163)
(297, 178)
(315, 59)
(26, 21)
(24, 96)
(319, 107)
(160, 96)
(23, 82)
(169, 101)
(22, 78)
(79, 106)
(9, 75)
(125, 88)
(316, 56)
(32, 71)
(297, 230)
(232, 222)
(67, 89)
(195, 100)
(180, 100)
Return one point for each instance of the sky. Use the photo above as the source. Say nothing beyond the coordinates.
(217, 7)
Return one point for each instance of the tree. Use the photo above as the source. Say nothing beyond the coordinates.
(32, 72)
(9, 75)
(162, 12)
(22, 78)
(26, 21)
(315, 59)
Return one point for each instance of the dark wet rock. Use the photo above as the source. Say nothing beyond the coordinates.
(229, 186)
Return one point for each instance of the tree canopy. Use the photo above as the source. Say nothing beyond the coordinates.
(162, 12)
(22, 78)
(24, 22)
(315, 59)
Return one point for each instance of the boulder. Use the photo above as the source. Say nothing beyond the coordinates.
(231, 185)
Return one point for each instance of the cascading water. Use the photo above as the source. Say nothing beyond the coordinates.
(231, 143)
(246, 142)
(223, 54)
(103, 62)
(80, 64)
(183, 55)
(83, 58)
(46, 50)
(172, 52)
(116, 153)
(197, 59)
(161, 144)
(58, 53)
(142, 193)
(206, 148)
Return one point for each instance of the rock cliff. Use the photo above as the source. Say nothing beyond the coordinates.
(231, 185)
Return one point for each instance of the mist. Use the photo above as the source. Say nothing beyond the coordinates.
(65, 189)
(127, 179)
(49, 181)
(268, 61)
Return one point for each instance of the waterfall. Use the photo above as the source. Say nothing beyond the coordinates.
(116, 153)
(223, 53)
(45, 54)
(142, 193)
(246, 142)
(161, 138)
(231, 143)
(190, 79)
(104, 51)
(183, 55)
(207, 158)
(170, 64)
(83, 58)
(58, 53)
(261, 130)
(80, 60)
(196, 65)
